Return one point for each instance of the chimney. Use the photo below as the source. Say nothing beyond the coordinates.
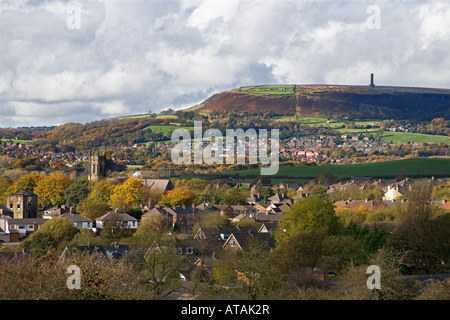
(372, 85)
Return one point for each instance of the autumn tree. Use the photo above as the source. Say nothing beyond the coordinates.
(50, 189)
(177, 197)
(5, 185)
(128, 194)
(27, 182)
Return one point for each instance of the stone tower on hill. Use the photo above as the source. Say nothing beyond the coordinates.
(97, 164)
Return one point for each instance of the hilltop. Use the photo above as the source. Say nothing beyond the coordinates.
(380, 102)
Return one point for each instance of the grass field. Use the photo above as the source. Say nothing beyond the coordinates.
(409, 137)
(16, 140)
(270, 89)
(407, 167)
(165, 129)
(141, 116)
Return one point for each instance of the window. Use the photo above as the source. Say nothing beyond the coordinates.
(189, 250)
(180, 250)
(233, 243)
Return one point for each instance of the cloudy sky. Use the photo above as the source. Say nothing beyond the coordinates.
(85, 60)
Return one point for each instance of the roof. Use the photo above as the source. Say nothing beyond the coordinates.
(27, 221)
(160, 185)
(445, 205)
(244, 238)
(75, 217)
(113, 214)
(23, 193)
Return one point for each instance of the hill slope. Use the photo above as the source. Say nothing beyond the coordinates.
(382, 102)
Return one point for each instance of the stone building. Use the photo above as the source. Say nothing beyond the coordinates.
(23, 204)
(97, 164)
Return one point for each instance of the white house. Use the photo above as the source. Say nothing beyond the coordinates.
(392, 193)
(126, 220)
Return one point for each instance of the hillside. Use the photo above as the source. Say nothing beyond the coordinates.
(380, 102)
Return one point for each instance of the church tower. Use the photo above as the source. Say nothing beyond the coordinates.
(97, 164)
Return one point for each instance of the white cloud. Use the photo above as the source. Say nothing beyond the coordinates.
(136, 56)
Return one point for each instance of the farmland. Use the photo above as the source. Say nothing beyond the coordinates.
(409, 137)
(407, 167)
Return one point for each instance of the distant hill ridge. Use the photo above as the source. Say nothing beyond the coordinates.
(380, 102)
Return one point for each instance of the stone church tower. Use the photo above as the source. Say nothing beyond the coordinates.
(97, 164)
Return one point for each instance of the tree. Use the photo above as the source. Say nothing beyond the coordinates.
(310, 214)
(128, 194)
(27, 182)
(441, 192)
(353, 283)
(76, 192)
(50, 189)
(373, 193)
(177, 197)
(161, 268)
(114, 229)
(51, 234)
(5, 184)
(92, 209)
(422, 242)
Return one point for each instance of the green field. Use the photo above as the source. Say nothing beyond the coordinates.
(407, 167)
(323, 122)
(141, 116)
(270, 89)
(16, 140)
(409, 137)
(166, 129)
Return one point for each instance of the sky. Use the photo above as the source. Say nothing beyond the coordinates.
(86, 60)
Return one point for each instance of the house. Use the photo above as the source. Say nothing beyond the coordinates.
(79, 221)
(445, 205)
(240, 240)
(287, 185)
(278, 198)
(54, 211)
(212, 240)
(268, 227)
(158, 185)
(223, 209)
(254, 199)
(244, 210)
(157, 214)
(182, 247)
(392, 193)
(23, 227)
(126, 221)
(183, 215)
(113, 251)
